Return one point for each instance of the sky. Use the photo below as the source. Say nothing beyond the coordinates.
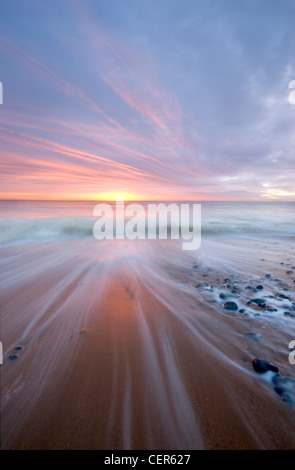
(147, 99)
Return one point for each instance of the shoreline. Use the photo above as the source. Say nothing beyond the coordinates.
(161, 364)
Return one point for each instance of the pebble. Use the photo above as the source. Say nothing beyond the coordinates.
(268, 276)
(223, 296)
(231, 306)
(260, 287)
(12, 357)
(83, 330)
(289, 314)
(260, 366)
(254, 336)
(283, 296)
(202, 284)
(285, 387)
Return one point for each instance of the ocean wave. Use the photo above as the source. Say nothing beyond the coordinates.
(19, 230)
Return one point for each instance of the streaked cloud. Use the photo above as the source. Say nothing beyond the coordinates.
(170, 101)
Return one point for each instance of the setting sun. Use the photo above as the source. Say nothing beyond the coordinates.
(116, 196)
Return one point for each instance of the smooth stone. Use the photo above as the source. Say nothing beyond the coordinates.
(283, 296)
(258, 301)
(268, 276)
(18, 348)
(235, 290)
(223, 296)
(261, 366)
(254, 336)
(202, 284)
(12, 357)
(289, 314)
(285, 387)
(231, 306)
(260, 287)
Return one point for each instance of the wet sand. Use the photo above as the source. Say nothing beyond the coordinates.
(162, 365)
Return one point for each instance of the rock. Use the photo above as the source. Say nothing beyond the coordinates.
(283, 296)
(202, 284)
(261, 366)
(83, 331)
(12, 357)
(289, 314)
(260, 302)
(254, 336)
(289, 271)
(268, 276)
(255, 303)
(270, 309)
(235, 290)
(285, 387)
(223, 296)
(18, 348)
(231, 306)
(260, 287)
(249, 288)
(242, 310)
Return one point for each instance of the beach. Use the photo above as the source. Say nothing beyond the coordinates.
(128, 344)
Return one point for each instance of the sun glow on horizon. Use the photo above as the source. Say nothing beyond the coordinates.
(116, 196)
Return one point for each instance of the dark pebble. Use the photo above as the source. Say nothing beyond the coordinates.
(285, 387)
(18, 348)
(203, 284)
(258, 301)
(268, 276)
(289, 314)
(270, 309)
(260, 287)
(223, 296)
(260, 366)
(12, 357)
(242, 310)
(231, 306)
(283, 296)
(289, 272)
(249, 288)
(235, 290)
